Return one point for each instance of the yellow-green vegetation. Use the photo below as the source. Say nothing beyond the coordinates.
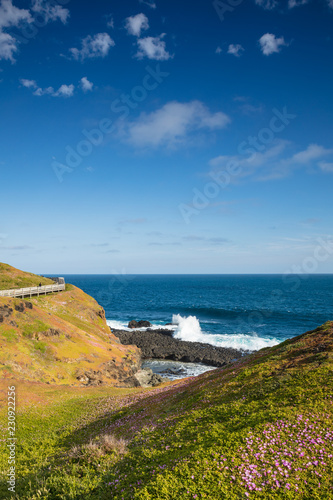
(261, 428)
(60, 338)
(14, 278)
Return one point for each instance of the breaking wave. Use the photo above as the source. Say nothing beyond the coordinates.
(188, 328)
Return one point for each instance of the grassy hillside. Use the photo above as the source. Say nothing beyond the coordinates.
(61, 338)
(14, 278)
(261, 428)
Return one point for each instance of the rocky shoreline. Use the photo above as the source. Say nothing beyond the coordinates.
(160, 344)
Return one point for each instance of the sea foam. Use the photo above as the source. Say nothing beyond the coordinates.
(188, 328)
(123, 325)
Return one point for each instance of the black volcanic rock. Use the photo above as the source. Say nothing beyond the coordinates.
(171, 371)
(139, 324)
(162, 331)
(160, 344)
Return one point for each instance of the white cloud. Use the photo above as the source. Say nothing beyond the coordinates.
(250, 109)
(110, 21)
(65, 91)
(93, 46)
(215, 240)
(28, 83)
(235, 50)
(86, 85)
(153, 48)
(136, 24)
(261, 166)
(273, 164)
(47, 91)
(296, 3)
(270, 44)
(173, 123)
(326, 167)
(267, 4)
(313, 152)
(49, 12)
(218, 50)
(150, 3)
(8, 47)
(256, 164)
(11, 15)
(310, 157)
(271, 4)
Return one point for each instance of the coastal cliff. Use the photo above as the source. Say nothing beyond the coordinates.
(60, 338)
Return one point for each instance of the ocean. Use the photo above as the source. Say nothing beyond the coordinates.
(246, 312)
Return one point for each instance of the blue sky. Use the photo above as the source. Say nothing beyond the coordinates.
(166, 137)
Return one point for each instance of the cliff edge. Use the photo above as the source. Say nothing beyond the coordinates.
(60, 338)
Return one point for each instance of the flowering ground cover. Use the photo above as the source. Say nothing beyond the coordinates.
(260, 428)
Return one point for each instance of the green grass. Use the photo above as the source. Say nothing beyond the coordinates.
(262, 428)
(36, 327)
(47, 437)
(40, 346)
(10, 335)
(14, 278)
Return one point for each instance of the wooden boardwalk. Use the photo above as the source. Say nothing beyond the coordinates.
(33, 291)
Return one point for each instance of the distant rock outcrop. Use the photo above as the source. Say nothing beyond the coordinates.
(147, 378)
(139, 324)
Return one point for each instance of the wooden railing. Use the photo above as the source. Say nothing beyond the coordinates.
(35, 290)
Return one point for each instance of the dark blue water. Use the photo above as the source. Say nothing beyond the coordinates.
(242, 311)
